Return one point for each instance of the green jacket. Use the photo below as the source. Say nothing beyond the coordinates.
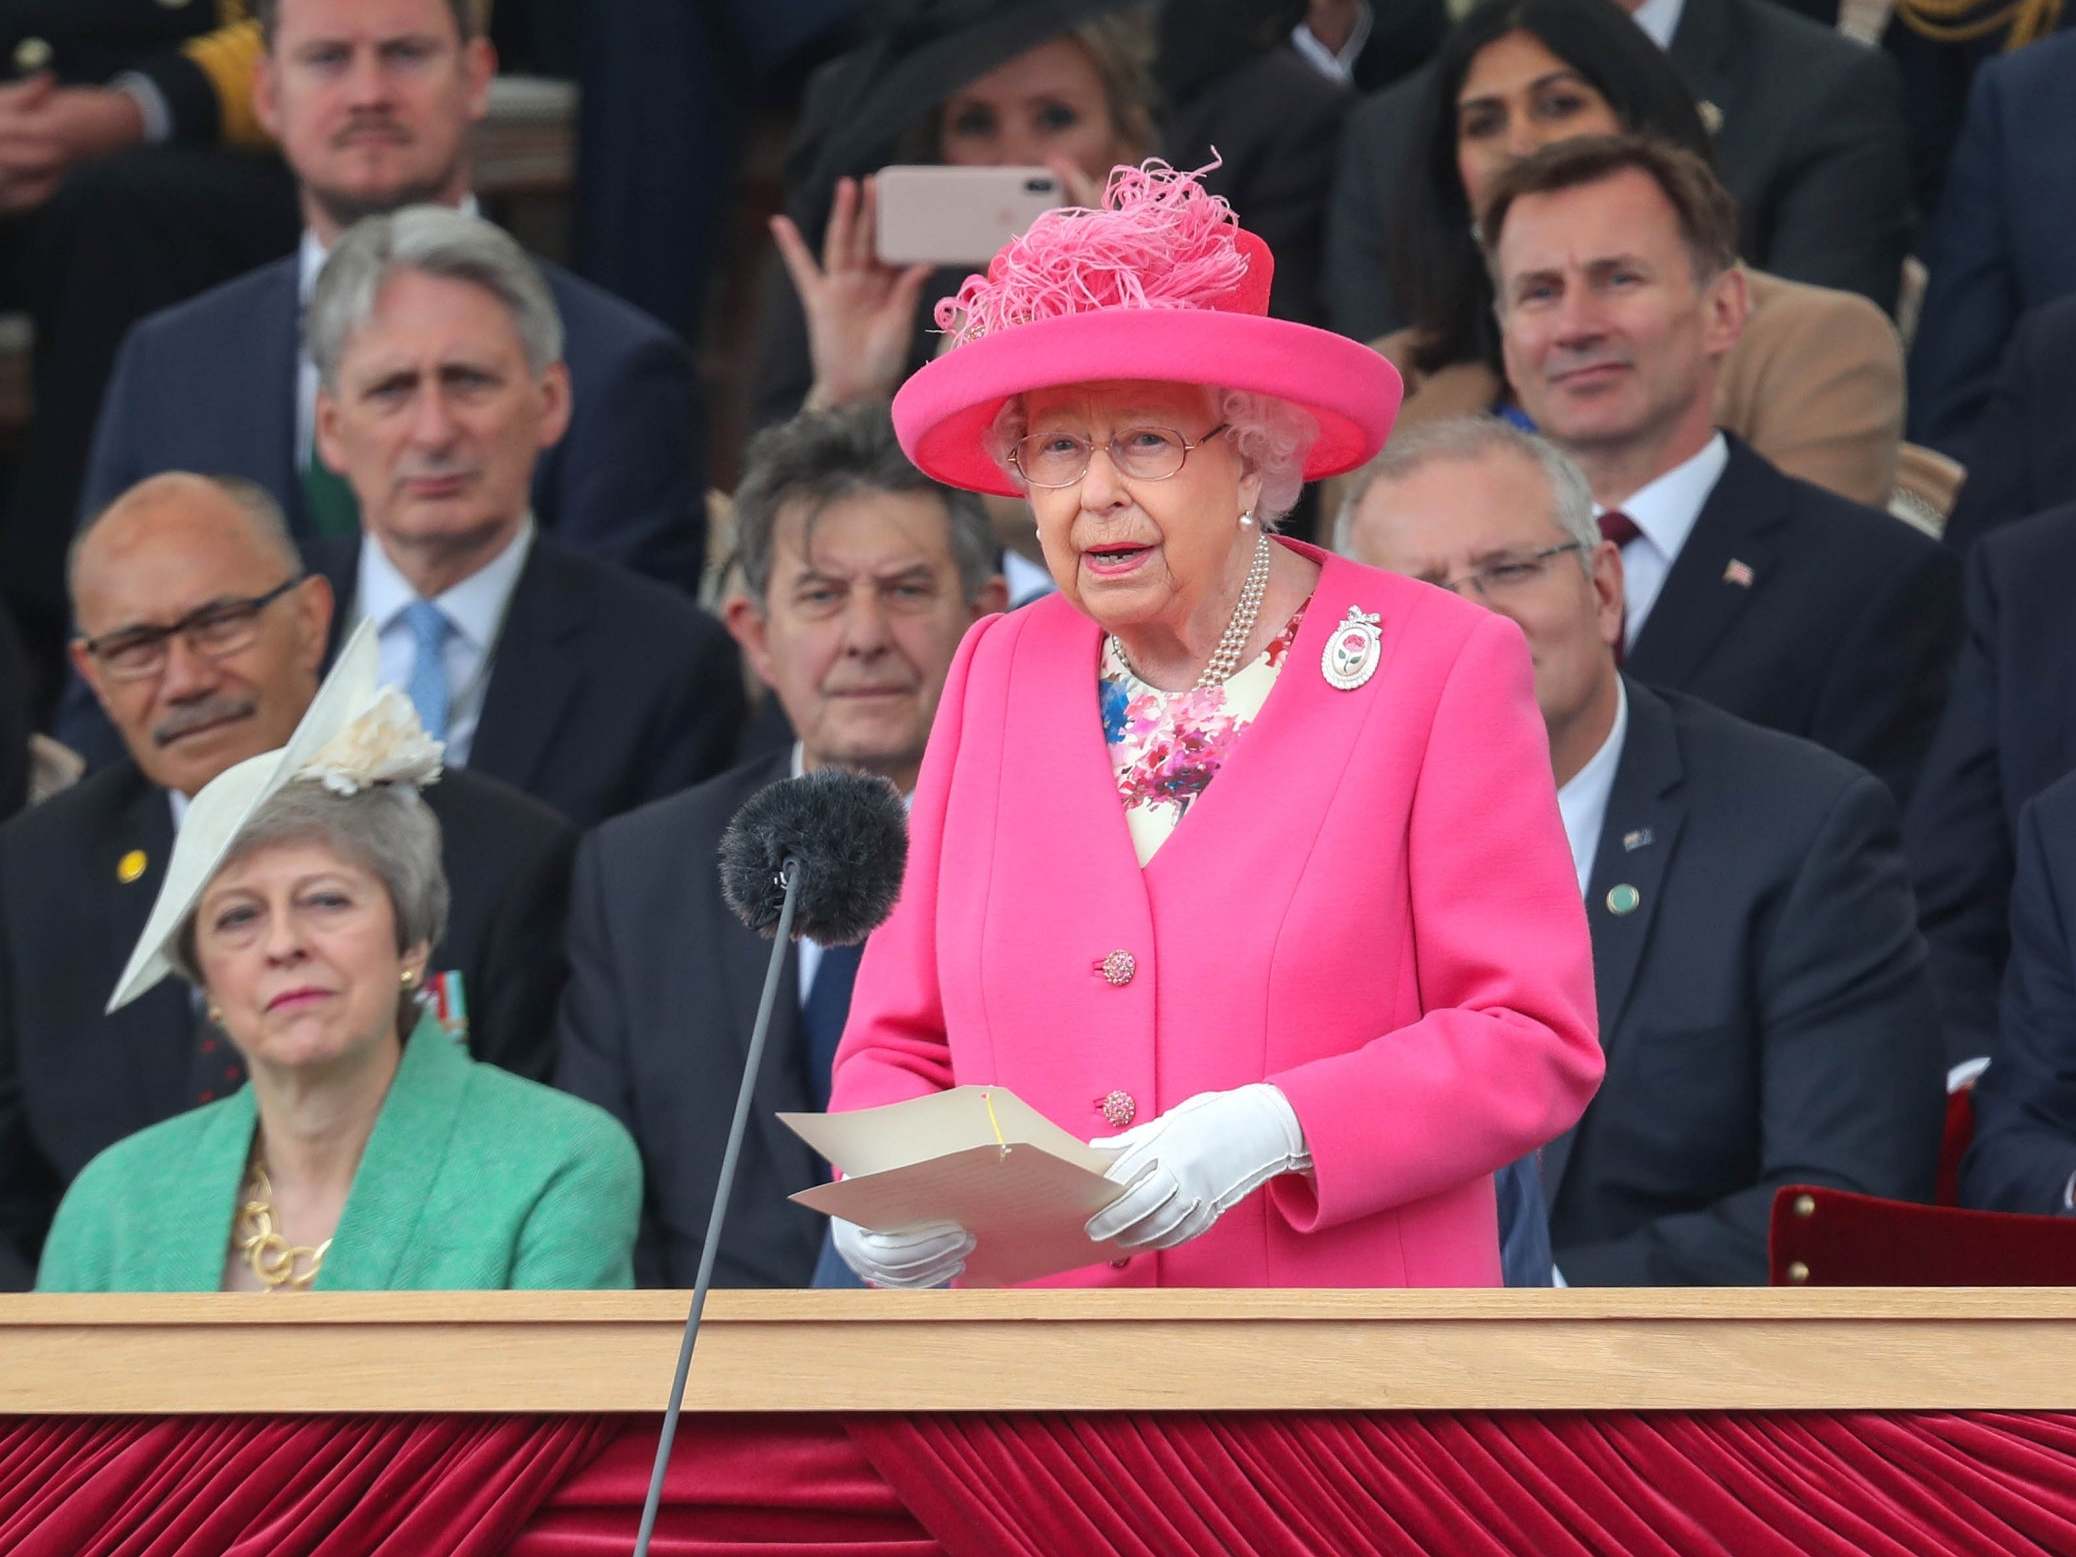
(472, 1179)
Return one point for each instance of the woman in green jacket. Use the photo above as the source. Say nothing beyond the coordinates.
(304, 898)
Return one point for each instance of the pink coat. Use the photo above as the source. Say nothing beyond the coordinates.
(1372, 906)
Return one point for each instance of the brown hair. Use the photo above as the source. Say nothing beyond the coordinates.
(1707, 214)
(468, 18)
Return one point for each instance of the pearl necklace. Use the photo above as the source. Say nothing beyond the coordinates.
(1225, 659)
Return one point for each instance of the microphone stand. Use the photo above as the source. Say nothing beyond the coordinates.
(789, 878)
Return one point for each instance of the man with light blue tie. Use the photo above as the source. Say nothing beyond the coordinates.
(441, 382)
(861, 576)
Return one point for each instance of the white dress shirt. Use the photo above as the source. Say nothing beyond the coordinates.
(310, 258)
(1582, 801)
(476, 609)
(1335, 64)
(1660, 19)
(1664, 510)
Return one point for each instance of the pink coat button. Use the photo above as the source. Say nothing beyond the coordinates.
(1118, 1109)
(1118, 968)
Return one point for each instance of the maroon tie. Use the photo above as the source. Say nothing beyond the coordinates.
(1618, 527)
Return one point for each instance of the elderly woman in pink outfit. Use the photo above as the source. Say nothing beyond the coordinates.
(1233, 855)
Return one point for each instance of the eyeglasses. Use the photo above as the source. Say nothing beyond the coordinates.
(1509, 575)
(212, 631)
(1060, 459)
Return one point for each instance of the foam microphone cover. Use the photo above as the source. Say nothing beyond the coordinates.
(849, 831)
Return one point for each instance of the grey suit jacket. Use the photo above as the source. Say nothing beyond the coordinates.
(655, 1029)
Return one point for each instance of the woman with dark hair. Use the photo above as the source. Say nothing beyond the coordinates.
(1816, 383)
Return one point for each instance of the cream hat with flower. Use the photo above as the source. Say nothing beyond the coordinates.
(354, 734)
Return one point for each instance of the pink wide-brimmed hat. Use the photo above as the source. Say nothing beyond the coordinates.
(1160, 283)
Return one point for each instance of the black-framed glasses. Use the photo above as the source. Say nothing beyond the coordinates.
(1059, 459)
(221, 627)
(1496, 580)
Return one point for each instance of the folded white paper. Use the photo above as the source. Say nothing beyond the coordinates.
(978, 1156)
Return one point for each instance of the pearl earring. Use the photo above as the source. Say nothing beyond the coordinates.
(1247, 519)
(215, 1014)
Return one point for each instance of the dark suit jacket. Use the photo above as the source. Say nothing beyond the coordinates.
(211, 386)
(15, 701)
(655, 1028)
(2004, 241)
(1812, 145)
(2025, 1104)
(2009, 732)
(74, 1081)
(606, 690)
(1845, 635)
(1765, 1007)
(2024, 457)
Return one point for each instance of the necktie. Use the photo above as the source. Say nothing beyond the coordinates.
(429, 629)
(334, 510)
(822, 1018)
(1618, 527)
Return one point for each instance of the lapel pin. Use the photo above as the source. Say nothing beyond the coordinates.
(1623, 899)
(1738, 573)
(1352, 649)
(1711, 117)
(1639, 839)
(131, 866)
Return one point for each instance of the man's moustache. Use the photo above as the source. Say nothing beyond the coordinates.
(193, 716)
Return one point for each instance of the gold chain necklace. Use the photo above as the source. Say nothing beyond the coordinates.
(277, 1262)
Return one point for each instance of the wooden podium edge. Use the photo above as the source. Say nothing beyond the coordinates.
(1891, 1349)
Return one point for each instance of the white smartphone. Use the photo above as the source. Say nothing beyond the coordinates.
(957, 216)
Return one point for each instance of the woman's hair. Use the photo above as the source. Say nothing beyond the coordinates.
(386, 829)
(1435, 268)
(1271, 436)
(1122, 47)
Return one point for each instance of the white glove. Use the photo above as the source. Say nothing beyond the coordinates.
(927, 1255)
(1196, 1162)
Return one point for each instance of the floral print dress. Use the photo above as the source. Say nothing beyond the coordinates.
(1167, 747)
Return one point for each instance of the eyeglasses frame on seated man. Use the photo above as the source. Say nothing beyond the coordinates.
(238, 617)
(1507, 574)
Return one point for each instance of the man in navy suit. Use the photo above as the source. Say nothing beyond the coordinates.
(1762, 988)
(2003, 242)
(441, 383)
(861, 576)
(373, 105)
(1618, 296)
(2024, 459)
(2009, 732)
(2023, 1157)
(203, 638)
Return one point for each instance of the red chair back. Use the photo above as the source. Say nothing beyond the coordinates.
(1829, 1238)
(1953, 1145)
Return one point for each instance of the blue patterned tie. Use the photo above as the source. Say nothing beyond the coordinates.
(429, 629)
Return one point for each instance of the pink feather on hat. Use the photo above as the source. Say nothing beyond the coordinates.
(1160, 282)
(1159, 240)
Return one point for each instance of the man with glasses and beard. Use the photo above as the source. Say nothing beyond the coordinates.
(202, 640)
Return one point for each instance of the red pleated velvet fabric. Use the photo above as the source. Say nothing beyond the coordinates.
(1621, 1484)
(281, 1487)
